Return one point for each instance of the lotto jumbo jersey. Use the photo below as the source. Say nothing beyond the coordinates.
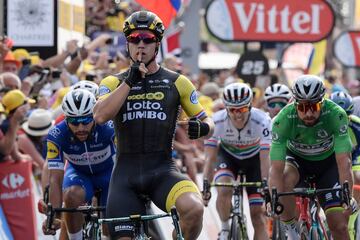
(241, 143)
(147, 119)
(313, 143)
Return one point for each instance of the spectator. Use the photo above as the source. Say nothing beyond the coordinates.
(31, 139)
(16, 105)
(11, 64)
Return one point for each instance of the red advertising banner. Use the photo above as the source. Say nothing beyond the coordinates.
(270, 20)
(347, 48)
(17, 200)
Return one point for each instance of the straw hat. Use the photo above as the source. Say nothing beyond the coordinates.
(39, 123)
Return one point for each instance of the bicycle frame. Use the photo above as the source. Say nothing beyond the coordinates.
(138, 222)
(238, 201)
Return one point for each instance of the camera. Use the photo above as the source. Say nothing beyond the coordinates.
(55, 74)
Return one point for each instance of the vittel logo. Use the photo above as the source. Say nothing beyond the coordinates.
(270, 20)
(13, 180)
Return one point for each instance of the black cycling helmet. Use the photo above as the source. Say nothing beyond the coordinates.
(308, 88)
(144, 20)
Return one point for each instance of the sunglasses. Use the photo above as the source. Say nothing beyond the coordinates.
(239, 110)
(77, 120)
(304, 107)
(277, 104)
(147, 38)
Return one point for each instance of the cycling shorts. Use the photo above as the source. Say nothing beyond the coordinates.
(324, 174)
(136, 176)
(228, 165)
(88, 182)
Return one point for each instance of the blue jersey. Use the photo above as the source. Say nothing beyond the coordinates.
(93, 156)
(354, 132)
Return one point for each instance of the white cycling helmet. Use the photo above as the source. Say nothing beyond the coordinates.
(87, 85)
(308, 88)
(78, 103)
(237, 95)
(277, 90)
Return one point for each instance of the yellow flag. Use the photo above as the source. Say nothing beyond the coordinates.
(317, 58)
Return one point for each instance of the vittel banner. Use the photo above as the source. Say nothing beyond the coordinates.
(270, 20)
(347, 48)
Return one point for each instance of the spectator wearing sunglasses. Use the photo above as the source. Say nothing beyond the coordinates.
(144, 102)
(240, 141)
(80, 156)
(277, 97)
(310, 138)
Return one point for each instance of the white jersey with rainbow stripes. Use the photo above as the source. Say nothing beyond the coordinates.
(241, 143)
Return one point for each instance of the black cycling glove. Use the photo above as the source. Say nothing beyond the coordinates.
(197, 128)
(134, 75)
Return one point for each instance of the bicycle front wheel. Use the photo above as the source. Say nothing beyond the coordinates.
(235, 232)
(277, 231)
(238, 229)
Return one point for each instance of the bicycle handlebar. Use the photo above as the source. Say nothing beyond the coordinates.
(277, 207)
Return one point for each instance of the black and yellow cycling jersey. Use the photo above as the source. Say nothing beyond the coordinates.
(146, 121)
(145, 127)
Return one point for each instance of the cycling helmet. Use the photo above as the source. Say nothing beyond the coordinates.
(237, 95)
(78, 103)
(144, 20)
(277, 91)
(308, 88)
(344, 100)
(87, 85)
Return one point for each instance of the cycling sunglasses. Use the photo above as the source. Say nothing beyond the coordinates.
(77, 120)
(277, 104)
(147, 38)
(239, 110)
(304, 107)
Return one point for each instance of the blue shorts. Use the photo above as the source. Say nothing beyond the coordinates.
(89, 182)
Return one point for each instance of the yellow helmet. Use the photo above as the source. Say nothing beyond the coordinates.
(144, 20)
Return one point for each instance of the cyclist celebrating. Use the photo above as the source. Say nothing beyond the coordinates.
(144, 102)
(89, 152)
(277, 97)
(240, 141)
(310, 138)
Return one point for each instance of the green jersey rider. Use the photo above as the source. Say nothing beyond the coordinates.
(310, 139)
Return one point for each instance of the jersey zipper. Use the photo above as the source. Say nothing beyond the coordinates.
(87, 157)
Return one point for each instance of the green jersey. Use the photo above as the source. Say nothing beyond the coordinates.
(313, 143)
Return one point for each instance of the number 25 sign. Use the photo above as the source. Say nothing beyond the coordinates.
(347, 48)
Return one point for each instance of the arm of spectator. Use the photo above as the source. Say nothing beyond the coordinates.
(57, 60)
(74, 64)
(98, 42)
(16, 155)
(8, 141)
(27, 146)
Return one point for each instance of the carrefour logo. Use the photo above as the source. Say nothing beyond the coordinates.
(13, 180)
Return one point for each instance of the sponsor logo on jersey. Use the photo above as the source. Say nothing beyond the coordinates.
(86, 158)
(54, 132)
(103, 90)
(52, 150)
(194, 97)
(148, 96)
(144, 109)
(274, 136)
(343, 129)
(312, 149)
(321, 133)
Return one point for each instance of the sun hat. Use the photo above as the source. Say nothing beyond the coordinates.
(9, 57)
(38, 123)
(14, 99)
